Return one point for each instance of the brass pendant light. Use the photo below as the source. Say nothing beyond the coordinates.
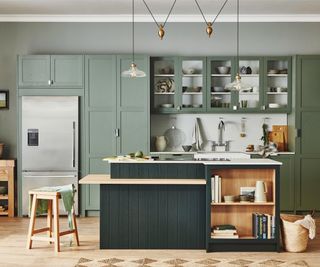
(133, 71)
(209, 28)
(161, 31)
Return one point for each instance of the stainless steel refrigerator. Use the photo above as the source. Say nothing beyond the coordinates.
(49, 143)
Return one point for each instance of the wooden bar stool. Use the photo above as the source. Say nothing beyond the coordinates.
(53, 207)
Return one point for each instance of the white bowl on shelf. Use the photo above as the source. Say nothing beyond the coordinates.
(274, 105)
(166, 105)
(223, 70)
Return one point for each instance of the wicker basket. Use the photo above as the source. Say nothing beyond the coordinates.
(294, 236)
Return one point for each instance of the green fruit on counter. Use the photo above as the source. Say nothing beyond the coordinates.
(139, 154)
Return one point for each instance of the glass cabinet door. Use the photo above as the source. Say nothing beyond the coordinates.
(163, 83)
(193, 84)
(250, 70)
(278, 84)
(220, 74)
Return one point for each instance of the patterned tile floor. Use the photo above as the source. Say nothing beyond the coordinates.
(206, 262)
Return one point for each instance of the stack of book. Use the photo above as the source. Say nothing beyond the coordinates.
(216, 189)
(224, 231)
(263, 226)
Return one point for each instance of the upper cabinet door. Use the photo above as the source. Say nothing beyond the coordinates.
(310, 89)
(67, 71)
(277, 85)
(251, 72)
(34, 71)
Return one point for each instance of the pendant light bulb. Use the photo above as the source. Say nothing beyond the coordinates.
(209, 29)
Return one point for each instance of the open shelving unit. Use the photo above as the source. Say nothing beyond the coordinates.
(239, 214)
(7, 178)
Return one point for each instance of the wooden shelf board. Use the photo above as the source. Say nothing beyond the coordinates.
(277, 93)
(243, 204)
(192, 93)
(220, 93)
(3, 196)
(3, 213)
(243, 239)
(3, 179)
(249, 75)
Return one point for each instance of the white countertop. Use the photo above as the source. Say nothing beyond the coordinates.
(231, 162)
(194, 152)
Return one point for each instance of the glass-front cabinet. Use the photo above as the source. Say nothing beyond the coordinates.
(200, 84)
(220, 73)
(193, 83)
(163, 83)
(277, 84)
(251, 72)
(178, 84)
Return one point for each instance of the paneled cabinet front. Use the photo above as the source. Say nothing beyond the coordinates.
(117, 114)
(55, 71)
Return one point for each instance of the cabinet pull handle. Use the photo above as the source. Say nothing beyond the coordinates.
(298, 133)
(51, 82)
(117, 132)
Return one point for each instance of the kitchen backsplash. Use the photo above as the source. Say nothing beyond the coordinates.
(186, 123)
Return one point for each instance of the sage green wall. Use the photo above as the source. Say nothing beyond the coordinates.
(108, 38)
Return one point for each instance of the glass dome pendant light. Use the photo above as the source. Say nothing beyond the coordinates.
(237, 84)
(133, 71)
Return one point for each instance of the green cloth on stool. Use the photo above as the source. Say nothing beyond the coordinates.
(67, 195)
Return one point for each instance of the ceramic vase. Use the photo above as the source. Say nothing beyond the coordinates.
(160, 143)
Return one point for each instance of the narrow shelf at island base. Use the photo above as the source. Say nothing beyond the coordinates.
(152, 216)
(240, 214)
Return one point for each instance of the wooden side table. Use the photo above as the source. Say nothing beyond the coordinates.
(7, 175)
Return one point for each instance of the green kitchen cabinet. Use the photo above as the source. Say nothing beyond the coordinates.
(34, 71)
(308, 132)
(117, 115)
(277, 84)
(178, 84)
(287, 180)
(51, 71)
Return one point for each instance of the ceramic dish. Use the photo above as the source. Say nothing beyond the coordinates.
(186, 148)
(271, 71)
(223, 70)
(274, 105)
(218, 89)
(230, 199)
(166, 105)
(197, 105)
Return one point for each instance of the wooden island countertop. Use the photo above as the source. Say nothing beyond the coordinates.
(106, 179)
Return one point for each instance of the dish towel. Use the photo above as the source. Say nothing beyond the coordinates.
(67, 195)
(308, 223)
(197, 138)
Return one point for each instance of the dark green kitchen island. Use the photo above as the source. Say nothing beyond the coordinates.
(167, 204)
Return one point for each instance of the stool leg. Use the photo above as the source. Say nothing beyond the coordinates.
(49, 218)
(74, 222)
(32, 221)
(56, 224)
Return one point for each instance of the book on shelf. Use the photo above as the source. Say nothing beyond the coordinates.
(224, 231)
(263, 226)
(216, 189)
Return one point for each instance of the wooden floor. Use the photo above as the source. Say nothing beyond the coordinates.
(13, 250)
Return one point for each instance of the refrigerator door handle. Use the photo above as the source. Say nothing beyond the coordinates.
(50, 176)
(73, 144)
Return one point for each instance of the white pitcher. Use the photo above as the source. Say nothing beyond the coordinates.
(261, 191)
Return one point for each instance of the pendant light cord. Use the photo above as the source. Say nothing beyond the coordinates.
(155, 18)
(225, 2)
(238, 34)
(132, 31)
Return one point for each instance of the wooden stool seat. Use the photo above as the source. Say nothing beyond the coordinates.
(53, 207)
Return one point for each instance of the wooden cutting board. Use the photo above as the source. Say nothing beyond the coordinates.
(277, 137)
(284, 129)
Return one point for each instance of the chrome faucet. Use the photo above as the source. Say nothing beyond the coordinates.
(220, 143)
(221, 128)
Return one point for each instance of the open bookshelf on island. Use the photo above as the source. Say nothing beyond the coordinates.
(255, 224)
